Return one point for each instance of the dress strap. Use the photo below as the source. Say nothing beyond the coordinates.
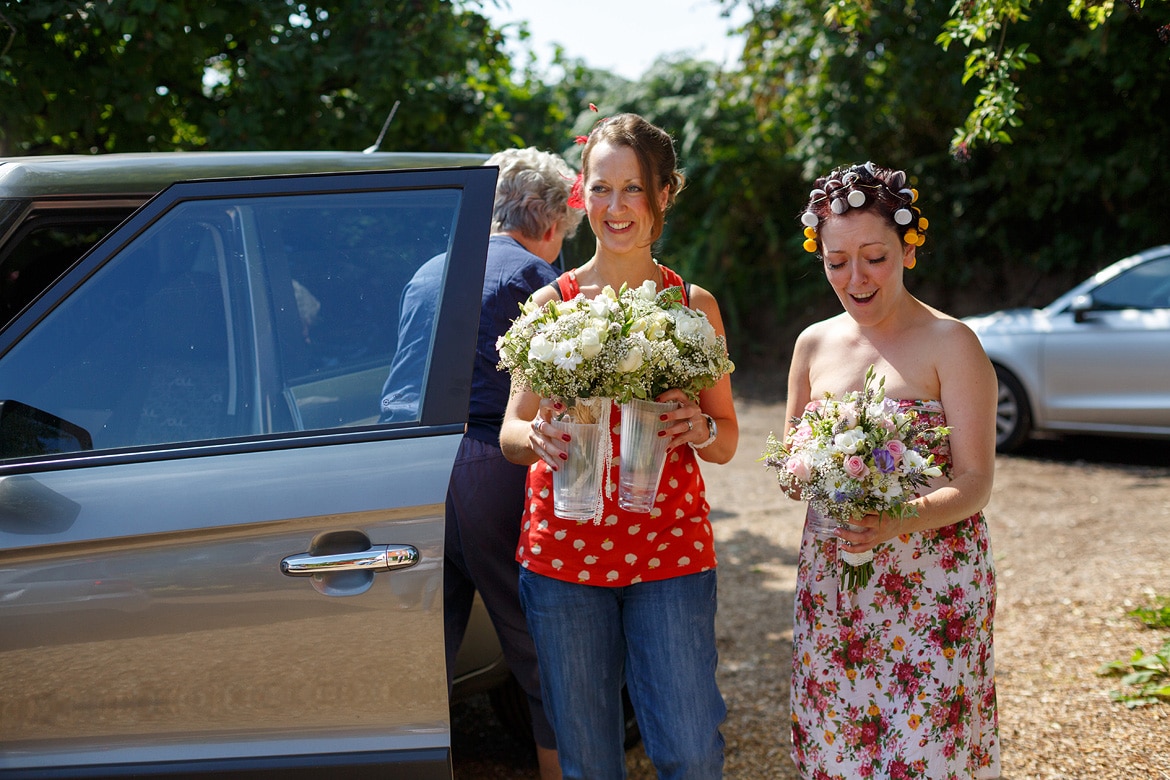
(567, 286)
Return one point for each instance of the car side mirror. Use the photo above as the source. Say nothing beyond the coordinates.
(27, 431)
(1081, 306)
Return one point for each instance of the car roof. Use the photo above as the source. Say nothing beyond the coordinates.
(150, 172)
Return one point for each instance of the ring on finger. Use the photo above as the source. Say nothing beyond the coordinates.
(690, 424)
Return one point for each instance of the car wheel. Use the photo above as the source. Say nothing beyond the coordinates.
(1013, 417)
(510, 704)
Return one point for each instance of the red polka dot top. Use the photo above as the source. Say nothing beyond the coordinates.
(624, 548)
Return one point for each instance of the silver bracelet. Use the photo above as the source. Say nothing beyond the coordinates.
(712, 432)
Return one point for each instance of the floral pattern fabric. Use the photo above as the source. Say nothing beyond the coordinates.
(897, 679)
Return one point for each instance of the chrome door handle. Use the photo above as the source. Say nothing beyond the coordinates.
(379, 557)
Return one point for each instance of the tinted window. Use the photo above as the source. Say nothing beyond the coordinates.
(1145, 286)
(44, 249)
(234, 318)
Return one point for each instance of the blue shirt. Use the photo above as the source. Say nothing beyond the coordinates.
(511, 276)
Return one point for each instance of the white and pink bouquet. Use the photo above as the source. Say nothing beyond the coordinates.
(856, 455)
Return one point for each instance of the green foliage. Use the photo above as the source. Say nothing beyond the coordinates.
(1082, 100)
(1156, 616)
(143, 75)
(982, 26)
(1012, 225)
(1146, 674)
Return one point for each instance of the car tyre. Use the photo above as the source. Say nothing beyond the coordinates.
(1013, 416)
(510, 704)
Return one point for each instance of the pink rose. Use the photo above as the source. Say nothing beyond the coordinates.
(798, 466)
(855, 467)
(896, 449)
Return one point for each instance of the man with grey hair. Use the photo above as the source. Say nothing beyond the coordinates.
(485, 498)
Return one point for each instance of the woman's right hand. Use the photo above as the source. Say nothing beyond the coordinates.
(544, 438)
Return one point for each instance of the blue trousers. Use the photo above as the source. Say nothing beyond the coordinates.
(656, 637)
(485, 501)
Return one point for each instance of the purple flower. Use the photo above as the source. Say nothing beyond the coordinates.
(884, 460)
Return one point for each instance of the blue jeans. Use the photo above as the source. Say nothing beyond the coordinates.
(656, 637)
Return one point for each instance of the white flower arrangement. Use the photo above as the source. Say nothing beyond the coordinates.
(634, 344)
(856, 455)
(678, 345)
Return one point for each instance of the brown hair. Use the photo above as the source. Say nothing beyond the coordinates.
(656, 158)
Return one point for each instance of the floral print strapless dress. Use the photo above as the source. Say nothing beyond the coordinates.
(897, 679)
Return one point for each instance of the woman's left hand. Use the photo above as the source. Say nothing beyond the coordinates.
(871, 531)
(687, 423)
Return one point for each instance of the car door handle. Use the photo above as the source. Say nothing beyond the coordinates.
(379, 557)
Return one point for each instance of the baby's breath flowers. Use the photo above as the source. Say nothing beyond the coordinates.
(678, 345)
(856, 455)
(636, 343)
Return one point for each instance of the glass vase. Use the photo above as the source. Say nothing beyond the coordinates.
(577, 483)
(643, 453)
(820, 523)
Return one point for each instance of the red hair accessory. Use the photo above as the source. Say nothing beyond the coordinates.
(577, 194)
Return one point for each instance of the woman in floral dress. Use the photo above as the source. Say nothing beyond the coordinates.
(895, 678)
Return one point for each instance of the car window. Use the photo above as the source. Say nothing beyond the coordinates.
(235, 317)
(44, 248)
(1145, 286)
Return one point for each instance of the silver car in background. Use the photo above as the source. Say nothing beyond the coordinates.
(1094, 361)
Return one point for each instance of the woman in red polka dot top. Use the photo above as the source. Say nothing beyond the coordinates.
(626, 598)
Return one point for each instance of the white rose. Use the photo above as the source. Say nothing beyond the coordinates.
(541, 350)
(632, 361)
(601, 306)
(590, 342)
(688, 325)
(849, 441)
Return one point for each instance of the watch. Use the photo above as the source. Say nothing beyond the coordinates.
(712, 432)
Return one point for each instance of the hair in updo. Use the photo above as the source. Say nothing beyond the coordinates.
(868, 187)
(654, 150)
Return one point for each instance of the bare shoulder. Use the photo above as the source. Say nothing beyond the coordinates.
(822, 332)
(703, 300)
(701, 297)
(951, 337)
(960, 363)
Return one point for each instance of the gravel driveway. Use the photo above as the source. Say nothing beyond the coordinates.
(1080, 531)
